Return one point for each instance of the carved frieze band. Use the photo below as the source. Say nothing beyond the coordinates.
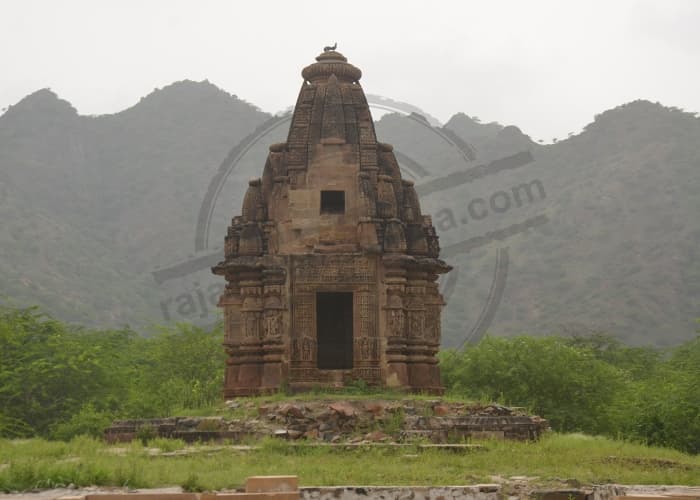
(335, 269)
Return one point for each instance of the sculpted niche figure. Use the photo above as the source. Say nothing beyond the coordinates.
(331, 267)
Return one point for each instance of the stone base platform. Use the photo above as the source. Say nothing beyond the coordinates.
(342, 421)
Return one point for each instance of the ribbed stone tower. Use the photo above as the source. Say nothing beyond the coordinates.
(331, 268)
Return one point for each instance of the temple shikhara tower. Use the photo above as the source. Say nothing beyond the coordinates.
(331, 268)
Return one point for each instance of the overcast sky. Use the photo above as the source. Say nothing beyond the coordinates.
(546, 66)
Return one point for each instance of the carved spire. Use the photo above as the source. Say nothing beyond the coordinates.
(332, 118)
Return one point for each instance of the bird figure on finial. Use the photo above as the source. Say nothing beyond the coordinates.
(328, 48)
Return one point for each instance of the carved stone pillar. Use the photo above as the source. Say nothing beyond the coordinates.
(303, 342)
(249, 353)
(366, 353)
(434, 303)
(273, 319)
(423, 370)
(231, 301)
(395, 327)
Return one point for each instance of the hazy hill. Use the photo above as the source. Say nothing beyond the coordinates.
(94, 202)
(621, 249)
(91, 205)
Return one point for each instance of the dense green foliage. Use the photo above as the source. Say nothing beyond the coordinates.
(590, 384)
(58, 380)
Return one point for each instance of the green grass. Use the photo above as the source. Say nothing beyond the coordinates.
(36, 463)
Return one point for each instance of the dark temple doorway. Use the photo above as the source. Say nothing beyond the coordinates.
(334, 330)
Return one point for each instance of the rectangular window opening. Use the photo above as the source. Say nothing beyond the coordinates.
(332, 202)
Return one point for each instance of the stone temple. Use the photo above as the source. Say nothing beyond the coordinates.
(331, 268)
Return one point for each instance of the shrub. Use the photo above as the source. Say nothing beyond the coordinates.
(88, 421)
(567, 385)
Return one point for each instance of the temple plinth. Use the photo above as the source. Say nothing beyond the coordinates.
(331, 268)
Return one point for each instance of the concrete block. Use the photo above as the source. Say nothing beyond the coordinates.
(144, 496)
(267, 484)
(271, 495)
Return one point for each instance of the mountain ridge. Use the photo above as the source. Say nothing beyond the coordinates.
(120, 193)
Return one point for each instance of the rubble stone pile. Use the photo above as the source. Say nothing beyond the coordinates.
(342, 421)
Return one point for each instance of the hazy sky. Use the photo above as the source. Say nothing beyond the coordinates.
(546, 66)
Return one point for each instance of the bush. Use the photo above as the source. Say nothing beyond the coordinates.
(588, 383)
(666, 410)
(568, 385)
(192, 484)
(87, 422)
(59, 380)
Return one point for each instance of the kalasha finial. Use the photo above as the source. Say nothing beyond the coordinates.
(328, 48)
